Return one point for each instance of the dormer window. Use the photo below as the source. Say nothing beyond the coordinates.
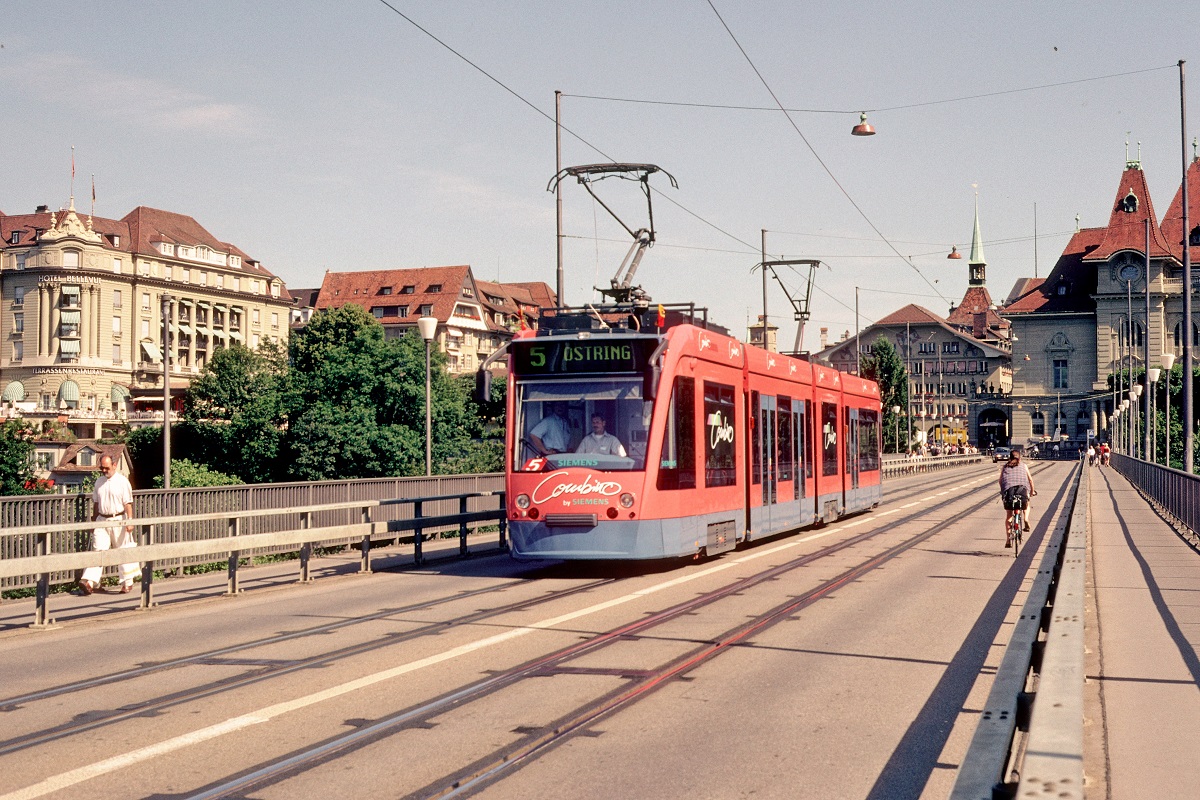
(1194, 237)
(434, 288)
(166, 248)
(409, 289)
(1129, 204)
(116, 240)
(385, 290)
(15, 238)
(1062, 289)
(70, 258)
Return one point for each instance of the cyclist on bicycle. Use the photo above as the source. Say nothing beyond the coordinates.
(1016, 487)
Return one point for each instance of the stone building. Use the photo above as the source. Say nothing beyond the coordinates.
(959, 366)
(81, 310)
(1074, 329)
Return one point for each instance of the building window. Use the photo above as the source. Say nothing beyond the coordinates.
(116, 265)
(45, 461)
(19, 296)
(1039, 423)
(116, 299)
(949, 347)
(385, 290)
(425, 310)
(15, 238)
(254, 317)
(468, 291)
(220, 280)
(237, 284)
(254, 340)
(18, 351)
(409, 289)
(145, 329)
(274, 321)
(116, 326)
(20, 261)
(434, 288)
(402, 311)
(18, 323)
(117, 353)
(70, 258)
(926, 347)
(1060, 373)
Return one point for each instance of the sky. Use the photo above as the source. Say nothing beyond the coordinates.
(341, 136)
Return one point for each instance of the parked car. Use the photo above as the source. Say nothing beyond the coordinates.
(1000, 454)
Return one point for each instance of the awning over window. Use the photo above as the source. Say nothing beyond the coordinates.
(203, 303)
(70, 317)
(220, 307)
(237, 337)
(151, 351)
(72, 291)
(184, 328)
(203, 330)
(119, 393)
(14, 392)
(183, 301)
(68, 392)
(69, 346)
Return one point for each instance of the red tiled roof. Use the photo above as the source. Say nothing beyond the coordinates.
(543, 296)
(912, 314)
(1126, 230)
(1077, 279)
(1172, 222)
(366, 289)
(977, 300)
(1022, 287)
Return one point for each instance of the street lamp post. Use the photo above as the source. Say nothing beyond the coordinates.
(1135, 442)
(1125, 430)
(896, 427)
(167, 300)
(428, 327)
(1152, 429)
(1168, 361)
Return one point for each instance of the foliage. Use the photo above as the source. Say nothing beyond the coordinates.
(885, 367)
(56, 431)
(16, 458)
(186, 473)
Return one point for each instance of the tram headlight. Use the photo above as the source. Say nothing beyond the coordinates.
(627, 500)
(522, 501)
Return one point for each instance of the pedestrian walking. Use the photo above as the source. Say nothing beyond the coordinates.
(112, 501)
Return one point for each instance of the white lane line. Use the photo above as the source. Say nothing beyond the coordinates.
(73, 777)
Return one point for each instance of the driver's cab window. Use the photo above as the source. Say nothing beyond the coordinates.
(597, 424)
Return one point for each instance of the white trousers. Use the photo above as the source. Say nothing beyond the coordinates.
(106, 539)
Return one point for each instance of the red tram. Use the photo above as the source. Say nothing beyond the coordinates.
(634, 445)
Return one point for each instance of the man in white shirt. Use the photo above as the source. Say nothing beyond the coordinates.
(112, 499)
(551, 435)
(601, 442)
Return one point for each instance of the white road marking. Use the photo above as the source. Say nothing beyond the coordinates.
(75, 776)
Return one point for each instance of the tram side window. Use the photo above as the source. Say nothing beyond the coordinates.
(868, 440)
(787, 439)
(757, 419)
(720, 452)
(850, 431)
(677, 467)
(806, 442)
(829, 439)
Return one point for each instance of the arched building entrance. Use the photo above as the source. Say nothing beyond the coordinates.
(993, 428)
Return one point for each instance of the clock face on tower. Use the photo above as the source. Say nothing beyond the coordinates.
(1127, 267)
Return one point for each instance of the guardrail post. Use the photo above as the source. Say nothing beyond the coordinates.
(145, 537)
(503, 522)
(41, 611)
(364, 566)
(418, 556)
(234, 528)
(305, 549)
(462, 528)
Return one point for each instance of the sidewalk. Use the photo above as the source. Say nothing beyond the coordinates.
(1142, 701)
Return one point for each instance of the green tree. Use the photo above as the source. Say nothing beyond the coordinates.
(16, 458)
(188, 473)
(885, 367)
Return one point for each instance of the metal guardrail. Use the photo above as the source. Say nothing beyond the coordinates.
(1047, 640)
(235, 538)
(1172, 491)
(903, 465)
(33, 510)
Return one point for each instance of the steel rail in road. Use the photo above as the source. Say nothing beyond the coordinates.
(221, 685)
(1053, 751)
(640, 683)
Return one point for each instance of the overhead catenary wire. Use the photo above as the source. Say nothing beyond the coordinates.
(817, 156)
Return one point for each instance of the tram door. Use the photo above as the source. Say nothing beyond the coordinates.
(769, 452)
(852, 449)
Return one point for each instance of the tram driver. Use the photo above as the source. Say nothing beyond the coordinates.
(552, 435)
(600, 442)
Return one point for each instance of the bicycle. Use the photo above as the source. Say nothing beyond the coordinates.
(1015, 528)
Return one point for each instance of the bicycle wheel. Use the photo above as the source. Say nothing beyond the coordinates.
(1018, 524)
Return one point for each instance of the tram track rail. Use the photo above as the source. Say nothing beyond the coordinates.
(640, 683)
(209, 689)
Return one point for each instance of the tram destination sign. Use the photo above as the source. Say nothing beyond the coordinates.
(546, 356)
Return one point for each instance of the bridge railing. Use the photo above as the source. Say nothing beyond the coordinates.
(895, 466)
(231, 534)
(1047, 642)
(33, 510)
(1173, 491)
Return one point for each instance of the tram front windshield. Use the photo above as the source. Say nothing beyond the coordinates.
(600, 423)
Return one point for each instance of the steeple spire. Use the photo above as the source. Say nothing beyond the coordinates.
(977, 262)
